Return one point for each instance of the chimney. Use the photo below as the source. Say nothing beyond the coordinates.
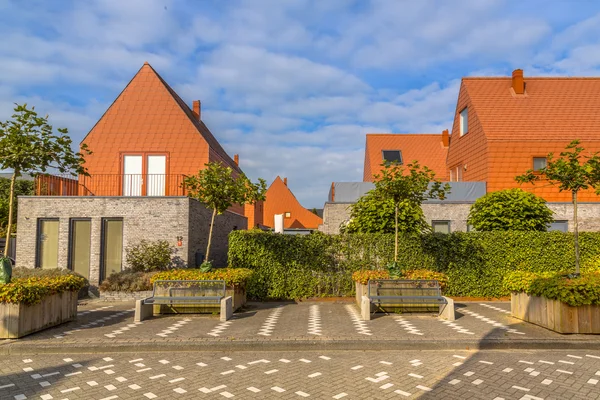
(285, 181)
(445, 138)
(236, 159)
(196, 108)
(518, 84)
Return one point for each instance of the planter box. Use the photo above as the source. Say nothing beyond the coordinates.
(555, 315)
(18, 320)
(237, 293)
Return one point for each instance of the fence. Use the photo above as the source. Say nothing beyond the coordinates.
(111, 185)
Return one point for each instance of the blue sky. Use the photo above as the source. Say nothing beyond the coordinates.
(292, 86)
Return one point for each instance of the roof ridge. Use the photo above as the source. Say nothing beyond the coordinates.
(404, 134)
(528, 78)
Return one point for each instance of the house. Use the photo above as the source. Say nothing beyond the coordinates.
(428, 149)
(143, 146)
(502, 127)
(281, 200)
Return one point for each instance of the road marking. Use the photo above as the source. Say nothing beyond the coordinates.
(360, 325)
(314, 320)
(269, 325)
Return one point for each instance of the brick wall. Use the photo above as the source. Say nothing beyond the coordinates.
(149, 218)
(457, 213)
(199, 223)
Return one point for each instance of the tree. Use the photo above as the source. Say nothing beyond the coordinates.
(510, 210)
(374, 214)
(571, 172)
(29, 145)
(411, 189)
(219, 189)
(22, 188)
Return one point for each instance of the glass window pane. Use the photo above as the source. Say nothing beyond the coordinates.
(48, 244)
(562, 226)
(392, 156)
(464, 121)
(81, 238)
(441, 226)
(112, 251)
(539, 163)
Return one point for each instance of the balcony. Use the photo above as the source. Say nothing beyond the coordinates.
(110, 185)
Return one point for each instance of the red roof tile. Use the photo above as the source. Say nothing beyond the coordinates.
(427, 149)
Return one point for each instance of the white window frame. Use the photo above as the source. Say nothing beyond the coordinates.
(464, 121)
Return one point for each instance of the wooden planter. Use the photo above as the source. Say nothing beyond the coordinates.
(18, 320)
(237, 293)
(555, 315)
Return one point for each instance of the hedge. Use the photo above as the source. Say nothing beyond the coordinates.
(31, 291)
(300, 266)
(557, 286)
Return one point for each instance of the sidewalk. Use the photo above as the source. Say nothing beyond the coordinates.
(109, 327)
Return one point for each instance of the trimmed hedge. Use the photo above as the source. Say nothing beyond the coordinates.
(32, 290)
(300, 266)
(575, 292)
(231, 276)
(127, 281)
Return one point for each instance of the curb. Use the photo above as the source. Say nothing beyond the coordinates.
(296, 345)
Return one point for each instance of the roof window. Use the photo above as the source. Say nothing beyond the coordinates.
(464, 121)
(392, 156)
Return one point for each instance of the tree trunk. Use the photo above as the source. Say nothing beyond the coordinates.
(576, 229)
(11, 201)
(396, 238)
(212, 222)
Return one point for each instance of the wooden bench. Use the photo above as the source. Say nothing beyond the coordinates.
(398, 292)
(173, 293)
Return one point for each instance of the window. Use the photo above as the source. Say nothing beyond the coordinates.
(456, 174)
(80, 238)
(47, 243)
(464, 121)
(559, 225)
(288, 214)
(393, 156)
(111, 256)
(539, 163)
(470, 228)
(441, 226)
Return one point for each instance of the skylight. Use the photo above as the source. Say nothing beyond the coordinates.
(393, 156)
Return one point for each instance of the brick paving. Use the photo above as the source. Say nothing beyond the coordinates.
(493, 375)
(111, 324)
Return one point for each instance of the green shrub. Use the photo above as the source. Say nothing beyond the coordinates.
(127, 281)
(424, 274)
(149, 256)
(32, 290)
(22, 272)
(290, 266)
(231, 276)
(364, 276)
(510, 210)
(557, 286)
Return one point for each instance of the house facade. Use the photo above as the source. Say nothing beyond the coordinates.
(143, 146)
(281, 200)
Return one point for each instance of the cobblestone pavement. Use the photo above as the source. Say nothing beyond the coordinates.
(493, 375)
(112, 324)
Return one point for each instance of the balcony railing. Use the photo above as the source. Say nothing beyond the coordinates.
(110, 185)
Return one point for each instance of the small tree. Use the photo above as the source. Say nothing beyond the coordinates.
(512, 209)
(412, 189)
(571, 172)
(374, 214)
(29, 145)
(219, 189)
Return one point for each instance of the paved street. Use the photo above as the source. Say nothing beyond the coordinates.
(330, 375)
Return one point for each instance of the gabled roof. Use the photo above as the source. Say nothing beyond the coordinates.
(550, 108)
(279, 200)
(427, 149)
(153, 83)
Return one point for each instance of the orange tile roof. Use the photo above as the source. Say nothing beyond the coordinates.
(425, 148)
(550, 108)
(148, 116)
(279, 200)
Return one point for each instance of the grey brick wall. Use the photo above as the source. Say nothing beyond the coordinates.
(199, 222)
(149, 218)
(589, 215)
